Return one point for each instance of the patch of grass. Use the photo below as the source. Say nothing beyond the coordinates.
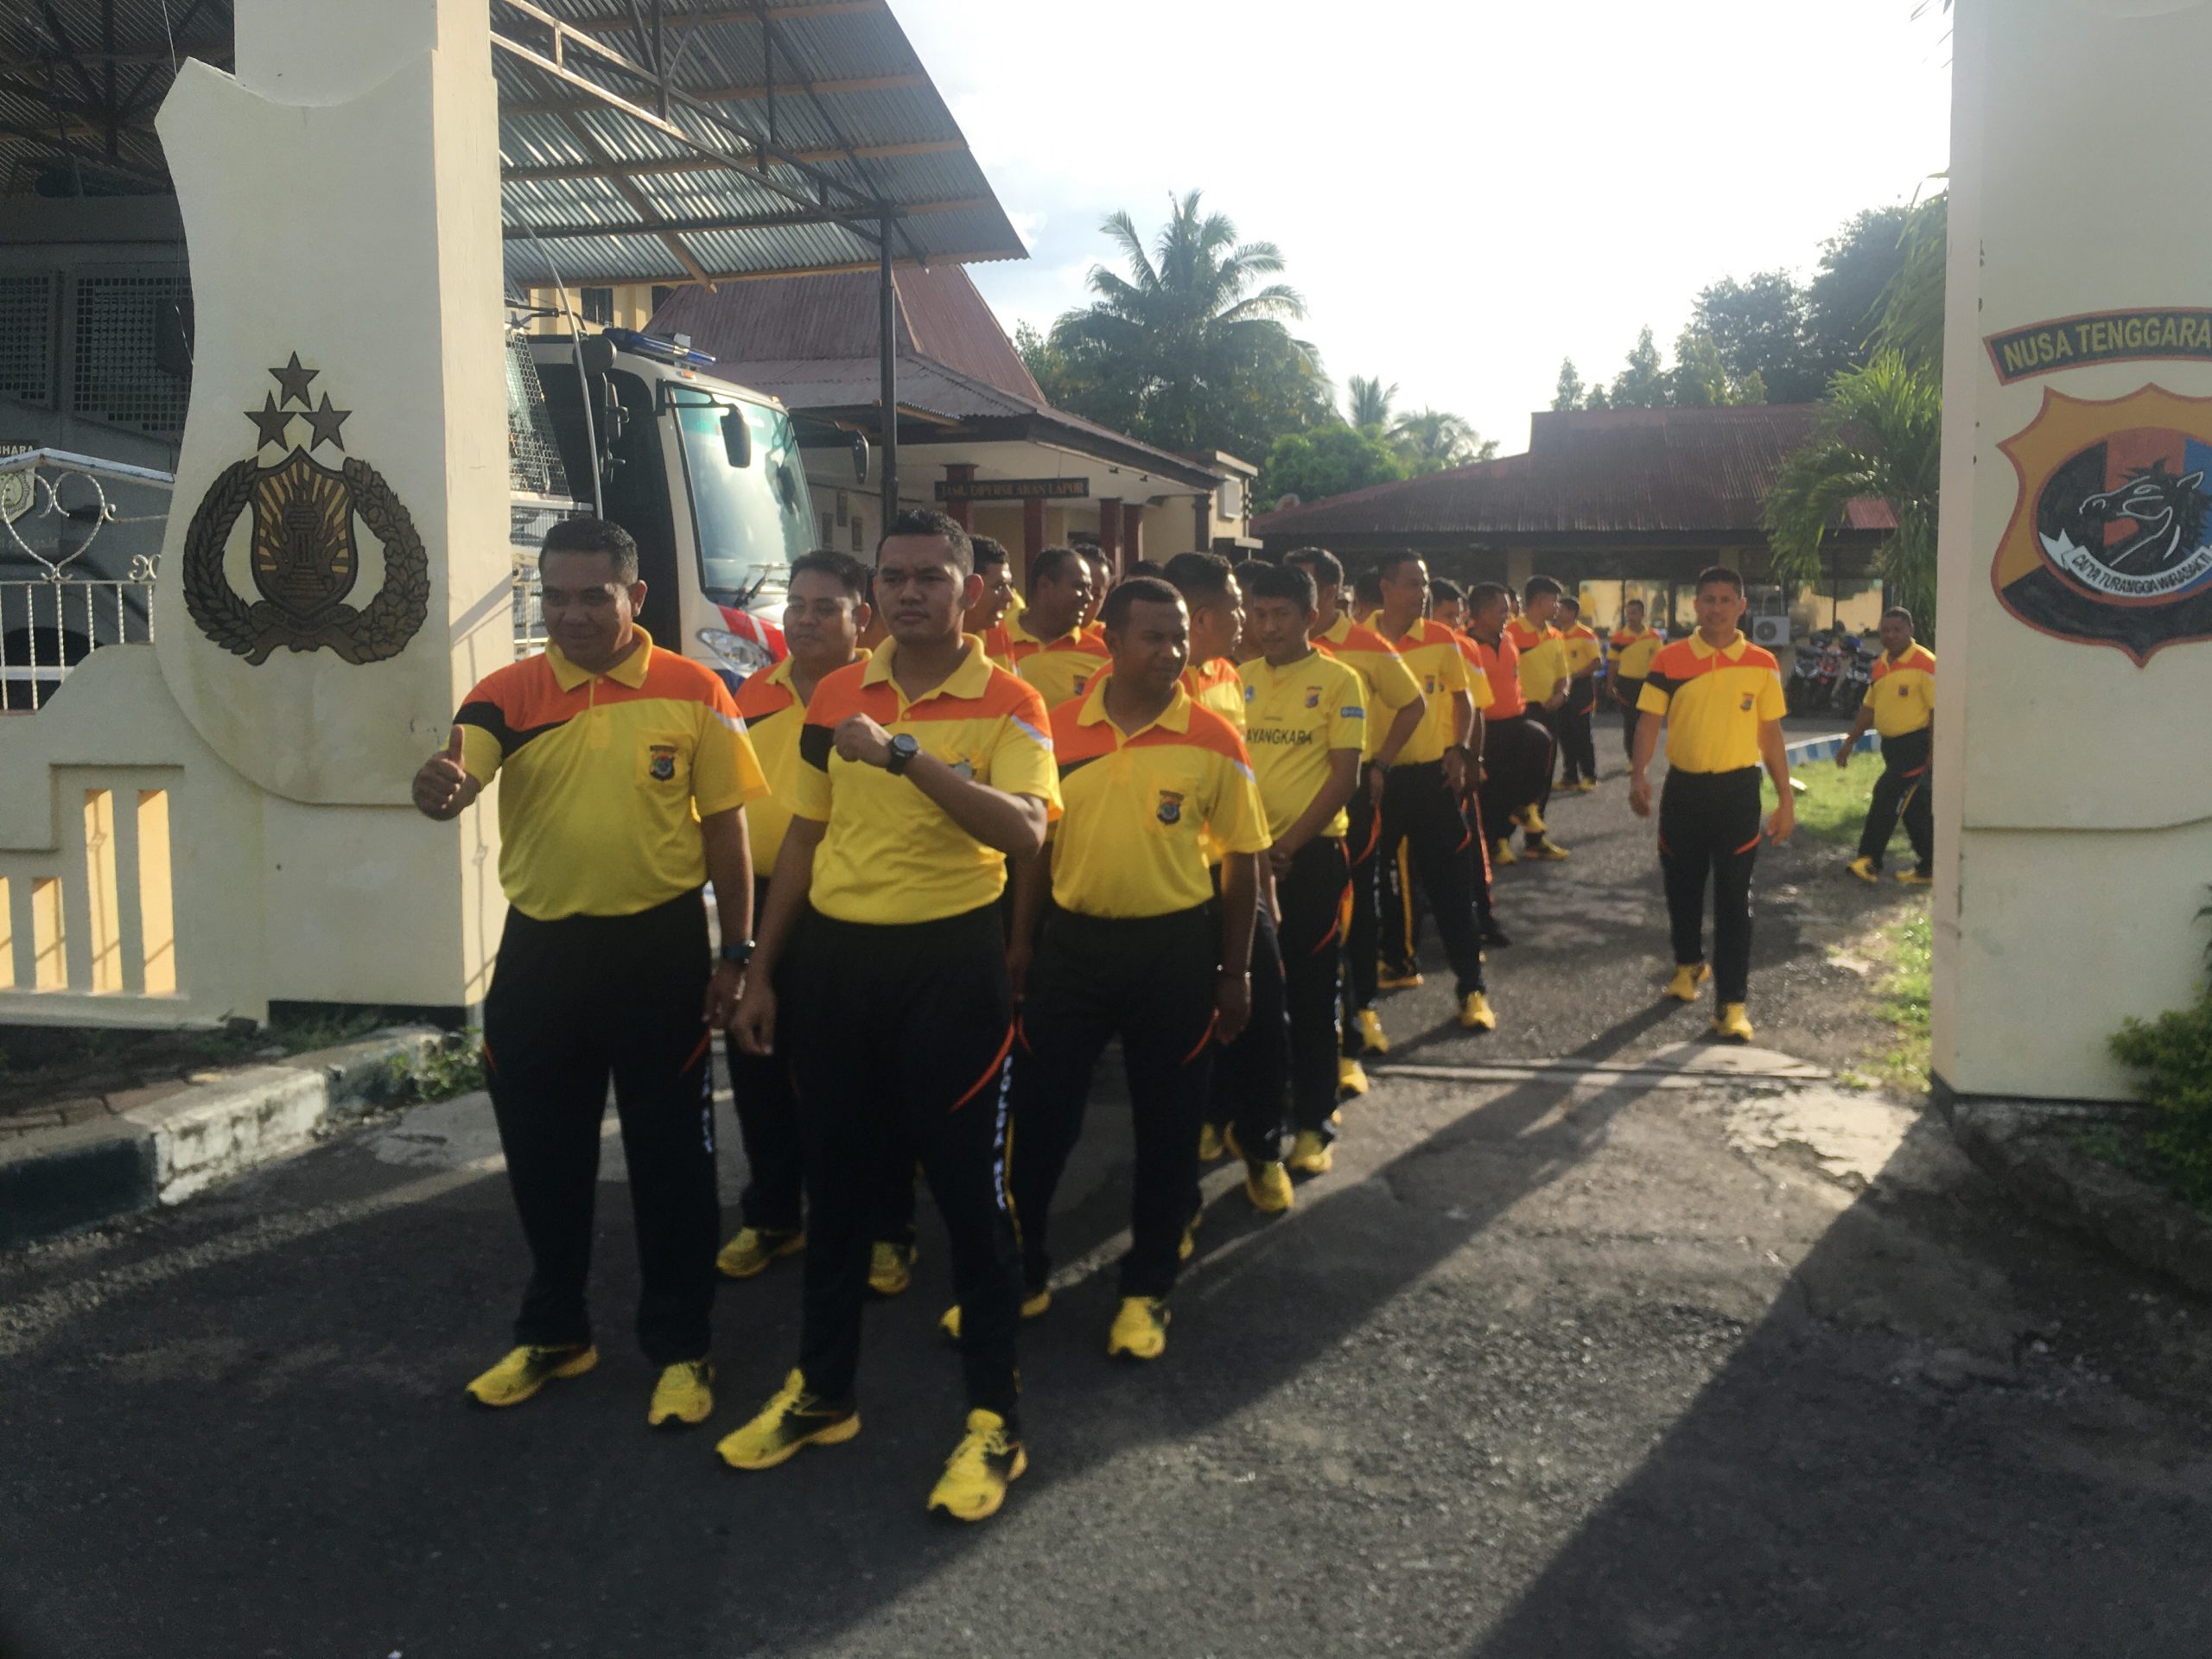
(1907, 993)
(1832, 805)
(454, 1067)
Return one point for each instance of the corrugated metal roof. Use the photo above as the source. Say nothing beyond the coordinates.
(825, 101)
(1691, 471)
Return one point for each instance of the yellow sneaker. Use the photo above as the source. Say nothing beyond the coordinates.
(1210, 1145)
(1476, 1014)
(1033, 1303)
(1915, 879)
(1139, 1329)
(1688, 977)
(525, 1370)
(1372, 1037)
(1269, 1188)
(1731, 1024)
(1531, 819)
(684, 1396)
(1351, 1077)
(1545, 851)
(793, 1418)
(1862, 867)
(1501, 853)
(1408, 981)
(748, 1254)
(1189, 1246)
(1310, 1154)
(987, 1461)
(890, 1267)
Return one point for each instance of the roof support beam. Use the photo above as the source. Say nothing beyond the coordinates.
(629, 192)
(746, 94)
(805, 10)
(677, 164)
(657, 226)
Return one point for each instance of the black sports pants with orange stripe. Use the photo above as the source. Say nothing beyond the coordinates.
(1517, 752)
(1311, 898)
(1709, 827)
(1421, 813)
(573, 1003)
(897, 1038)
(1902, 787)
(1150, 982)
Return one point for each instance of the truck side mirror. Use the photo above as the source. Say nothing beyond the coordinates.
(597, 352)
(737, 438)
(859, 458)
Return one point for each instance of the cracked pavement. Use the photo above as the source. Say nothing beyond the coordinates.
(1568, 1362)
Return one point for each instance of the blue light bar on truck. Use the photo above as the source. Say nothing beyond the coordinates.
(666, 351)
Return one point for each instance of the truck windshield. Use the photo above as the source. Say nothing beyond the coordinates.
(751, 521)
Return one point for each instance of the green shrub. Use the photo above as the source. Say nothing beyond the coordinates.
(2174, 1053)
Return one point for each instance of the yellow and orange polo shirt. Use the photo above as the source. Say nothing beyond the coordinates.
(1497, 666)
(1544, 658)
(1633, 650)
(1211, 685)
(773, 714)
(1903, 694)
(889, 854)
(1294, 716)
(1582, 648)
(1389, 685)
(605, 777)
(1146, 814)
(1064, 667)
(1715, 702)
(1431, 654)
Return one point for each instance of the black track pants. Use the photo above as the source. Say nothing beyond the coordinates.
(575, 1004)
(1149, 981)
(1312, 897)
(1251, 1074)
(1577, 748)
(1518, 754)
(1362, 932)
(1625, 692)
(1419, 813)
(897, 1038)
(1903, 788)
(767, 1124)
(1709, 825)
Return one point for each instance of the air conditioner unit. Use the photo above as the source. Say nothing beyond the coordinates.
(1770, 630)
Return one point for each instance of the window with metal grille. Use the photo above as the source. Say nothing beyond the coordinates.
(27, 338)
(598, 305)
(112, 373)
(533, 454)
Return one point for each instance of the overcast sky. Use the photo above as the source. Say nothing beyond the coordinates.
(1465, 190)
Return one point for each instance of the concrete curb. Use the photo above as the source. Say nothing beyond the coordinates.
(58, 1179)
(1806, 751)
(2025, 1147)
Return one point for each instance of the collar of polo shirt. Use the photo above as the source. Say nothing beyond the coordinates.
(1175, 717)
(968, 680)
(630, 671)
(1733, 648)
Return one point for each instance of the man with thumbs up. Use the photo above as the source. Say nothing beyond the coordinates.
(624, 770)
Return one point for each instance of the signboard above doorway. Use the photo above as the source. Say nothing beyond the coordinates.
(1014, 489)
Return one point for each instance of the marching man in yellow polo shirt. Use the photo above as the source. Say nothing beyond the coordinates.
(624, 773)
(1135, 946)
(1583, 652)
(1718, 699)
(1901, 705)
(1543, 660)
(921, 772)
(1062, 654)
(1634, 646)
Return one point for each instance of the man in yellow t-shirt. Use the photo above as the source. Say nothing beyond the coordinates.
(1542, 660)
(986, 618)
(623, 772)
(1719, 700)
(1062, 651)
(1634, 646)
(922, 770)
(1582, 653)
(1900, 704)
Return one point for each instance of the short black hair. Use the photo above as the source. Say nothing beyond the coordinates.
(1390, 562)
(1485, 593)
(839, 566)
(1096, 553)
(1719, 573)
(1442, 590)
(1900, 612)
(1636, 602)
(1328, 569)
(927, 521)
(1051, 564)
(1568, 601)
(987, 551)
(1151, 568)
(1536, 585)
(1292, 582)
(1199, 576)
(586, 534)
(1367, 589)
(1136, 590)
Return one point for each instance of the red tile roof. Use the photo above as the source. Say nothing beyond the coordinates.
(1593, 472)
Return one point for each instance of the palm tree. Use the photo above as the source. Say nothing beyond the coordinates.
(1431, 439)
(1879, 437)
(1371, 401)
(1193, 331)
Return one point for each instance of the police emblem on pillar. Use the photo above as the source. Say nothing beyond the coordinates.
(304, 557)
(2109, 543)
(1171, 807)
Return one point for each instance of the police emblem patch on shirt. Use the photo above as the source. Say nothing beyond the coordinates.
(1749, 697)
(1171, 807)
(662, 764)
(1313, 698)
(1081, 680)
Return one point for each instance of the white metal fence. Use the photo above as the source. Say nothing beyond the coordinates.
(79, 550)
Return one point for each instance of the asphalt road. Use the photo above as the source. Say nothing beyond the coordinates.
(1580, 1362)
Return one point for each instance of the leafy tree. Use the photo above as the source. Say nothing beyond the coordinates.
(1327, 460)
(1371, 401)
(1912, 306)
(1843, 306)
(1880, 437)
(1597, 397)
(1643, 384)
(1758, 327)
(1572, 394)
(1190, 350)
(1431, 439)
(1701, 379)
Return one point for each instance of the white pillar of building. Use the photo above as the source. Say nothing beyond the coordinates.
(2073, 773)
(336, 571)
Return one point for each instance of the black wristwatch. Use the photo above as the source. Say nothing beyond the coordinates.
(739, 954)
(904, 748)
